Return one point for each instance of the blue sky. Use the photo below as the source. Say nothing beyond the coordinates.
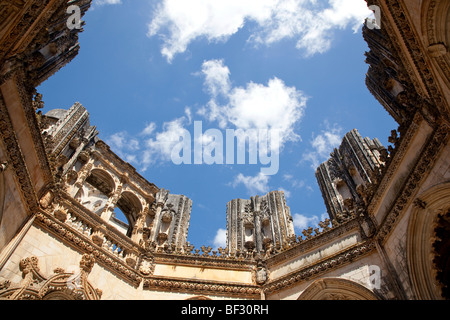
(147, 70)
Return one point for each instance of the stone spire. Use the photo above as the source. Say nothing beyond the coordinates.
(259, 223)
(343, 178)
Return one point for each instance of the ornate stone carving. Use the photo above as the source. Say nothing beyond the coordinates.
(261, 273)
(61, 285)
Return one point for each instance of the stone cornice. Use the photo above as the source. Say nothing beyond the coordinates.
(421, 170)
(210, 262)
(203, 287)
(394, 162)
(83, 244)
(187, 259)
(314, 242)
(26, 100)
(355, 252)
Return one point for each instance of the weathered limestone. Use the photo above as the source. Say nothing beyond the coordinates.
(259, 224)
(345, 178)
(61, 187)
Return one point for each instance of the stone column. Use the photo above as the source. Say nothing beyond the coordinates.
(137, 234)
(160, 201)
(111, 205)
(258, 232)
(82, 176)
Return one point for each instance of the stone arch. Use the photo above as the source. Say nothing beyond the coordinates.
(336, 289)
(199, 298)
(60, 295)
(430, 205)
(436, 31)
(131, 206)
(101, 180)
(2, 195)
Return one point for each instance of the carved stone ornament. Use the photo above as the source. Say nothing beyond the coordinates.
(261, 273)
(147, 266)
(61, 285)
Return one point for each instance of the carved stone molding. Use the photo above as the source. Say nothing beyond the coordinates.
(85, 244)
(416, 50)
(203, 287)
(319, 268)
(336, 289)
(59, 286)
(16, 159)
(433, 148)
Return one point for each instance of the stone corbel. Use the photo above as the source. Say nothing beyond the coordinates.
(46, 199)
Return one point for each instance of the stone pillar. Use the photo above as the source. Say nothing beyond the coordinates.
(138, 230)
(267, 212)
(82, 176)
(111, 205)
(160, 201)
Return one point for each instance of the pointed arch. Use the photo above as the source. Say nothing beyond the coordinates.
(101, 180)
(131, 206)
(421, 236)
(2, 195)
(336, 289)
(199, 298)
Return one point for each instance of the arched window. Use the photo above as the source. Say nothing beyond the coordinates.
(96, 190)
(130, 206)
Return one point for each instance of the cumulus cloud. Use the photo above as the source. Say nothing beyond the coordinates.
(151, 146)
(309, 22)
(302, 221)
(322, 145)
(256, 106)
(258, 184)
(124, 145)
(159, 147)
(220, 240)
(266, 115)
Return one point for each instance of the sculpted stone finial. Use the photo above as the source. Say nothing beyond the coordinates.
(161, 197)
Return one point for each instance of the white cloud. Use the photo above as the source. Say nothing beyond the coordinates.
(323, 144)
(220, 240)
(148, 130)
(295, 183)
(287, 193)
(160, 147)
(274, 106)
(217, 77)
(124, 146)
(309, 22)
(258, 184)
(106, 2)
(302, 221)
